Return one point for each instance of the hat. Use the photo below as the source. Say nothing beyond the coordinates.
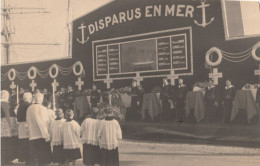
(27, 97)
(38, 98)
(4, 95)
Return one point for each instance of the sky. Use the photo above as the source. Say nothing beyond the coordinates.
(48, 30)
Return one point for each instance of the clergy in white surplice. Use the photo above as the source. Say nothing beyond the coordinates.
(39, 139)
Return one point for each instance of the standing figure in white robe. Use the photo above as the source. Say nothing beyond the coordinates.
(109, 133)
(56, 138)
(39, 138)
(89, 137)
(71, 139)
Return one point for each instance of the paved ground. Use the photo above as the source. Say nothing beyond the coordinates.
(168, 144)
(138, 153)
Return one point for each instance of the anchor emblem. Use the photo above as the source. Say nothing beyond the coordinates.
(203, 23)
(82, 27)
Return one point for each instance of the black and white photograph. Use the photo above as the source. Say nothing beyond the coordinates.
(130, 82)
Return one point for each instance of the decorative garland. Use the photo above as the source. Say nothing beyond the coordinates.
(12, 73)
(34, 70)
(255, 47)
(232, 57)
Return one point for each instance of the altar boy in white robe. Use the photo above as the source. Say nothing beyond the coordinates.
(39, 139)
(109, 133)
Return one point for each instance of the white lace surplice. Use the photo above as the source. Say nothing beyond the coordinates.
(109, 133)
(71, 135)
(89, 131)
(55, 132)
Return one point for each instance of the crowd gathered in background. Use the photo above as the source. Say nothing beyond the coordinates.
(49, 128)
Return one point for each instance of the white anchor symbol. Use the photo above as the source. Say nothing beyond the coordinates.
(203, 23)
(82, 27)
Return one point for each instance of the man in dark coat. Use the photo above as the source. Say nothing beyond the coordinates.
(133, 111)
(180, 98)
(212, 103)
(228, 97)
(166, 96)
(70, 98)
(23, 135)
(94, 96)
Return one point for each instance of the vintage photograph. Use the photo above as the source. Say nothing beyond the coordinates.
(130, 82)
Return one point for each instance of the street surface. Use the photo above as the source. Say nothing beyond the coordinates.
(145, 153)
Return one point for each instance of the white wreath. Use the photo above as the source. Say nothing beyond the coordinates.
(209, 52)
(80, 68)
(9, 74)
(33, 69)
(56, 71)
(256, 46)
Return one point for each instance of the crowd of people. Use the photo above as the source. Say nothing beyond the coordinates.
(48, 133)
(43, 135)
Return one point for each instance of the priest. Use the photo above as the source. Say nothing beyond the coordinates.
(23, 135)
(39, 139)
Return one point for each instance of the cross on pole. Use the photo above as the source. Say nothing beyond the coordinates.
(257, 72)
(79, 83)
(138, 78)
(12, 86)
(172, 77)
(33, 85)
(108, 81)
(54, 85)
(215, 75)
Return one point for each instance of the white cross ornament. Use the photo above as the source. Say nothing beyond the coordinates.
(172, 77)
(108, 81)
(79, 83)
(54, 85)
(215, 75)
(12, 86)
(33, 85)
(257, 72)
(138, 79)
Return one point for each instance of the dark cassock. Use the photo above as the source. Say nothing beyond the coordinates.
(69, 99)
(212, 104)
(13, 101)
(133, 110)
(94, 98)
(23, 133)
(180, 95)
(228, 97)
(258, 103)
(62, 100)
(166, 96)
(9, 130)
(39, 138)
